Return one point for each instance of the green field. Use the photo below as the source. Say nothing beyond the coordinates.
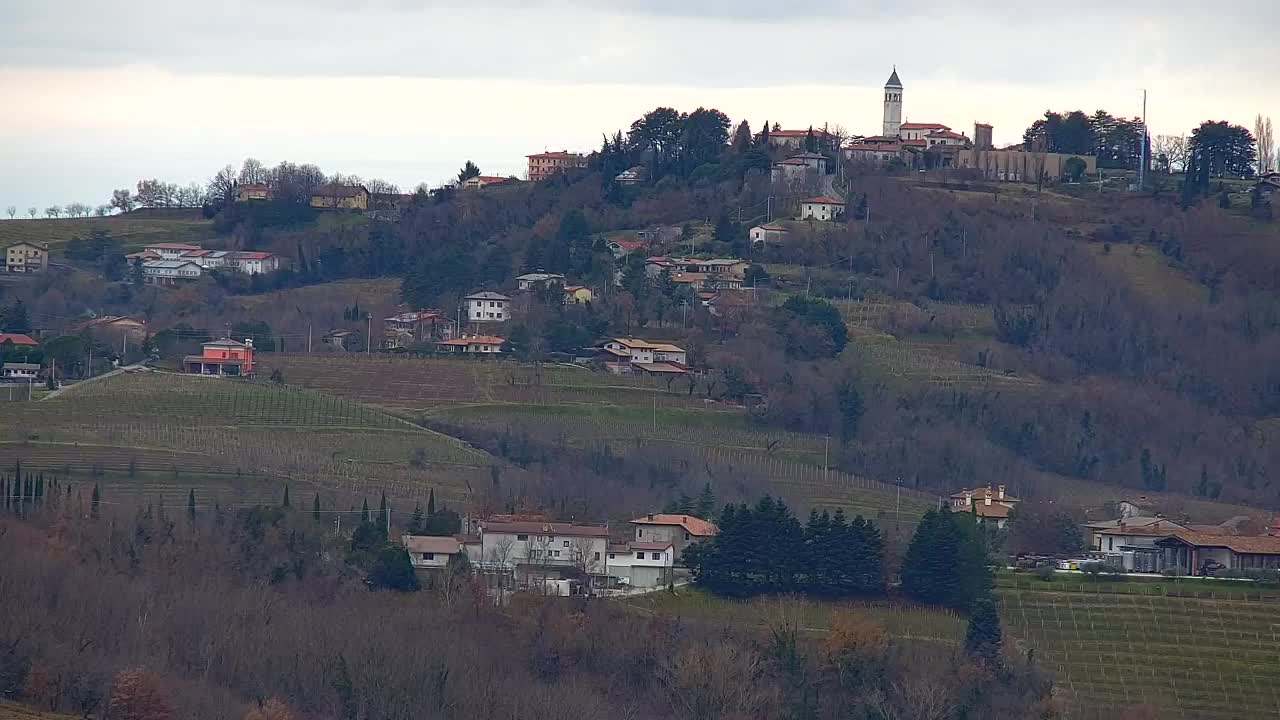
(1191, 658)
(133, 232)
(14, 711)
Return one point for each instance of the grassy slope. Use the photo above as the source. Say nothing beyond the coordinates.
(13, 711)
(131, 231)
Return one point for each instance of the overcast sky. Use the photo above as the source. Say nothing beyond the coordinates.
(96, 95)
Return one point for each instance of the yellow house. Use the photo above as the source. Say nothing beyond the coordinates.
(26, 257)
(342, 197)
(577, 294)
(254, 191)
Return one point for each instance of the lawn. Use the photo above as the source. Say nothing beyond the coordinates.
(14, 711)
(1151, 274)
(132, 232)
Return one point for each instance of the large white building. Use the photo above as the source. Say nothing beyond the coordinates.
(641, 564)
(487, 307)
(534, 552)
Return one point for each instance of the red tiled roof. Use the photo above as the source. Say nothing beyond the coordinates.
(17, 339)
(431, 544)
(491, 179)
(923, 126)
(1258, 545)
(474, 340)
(339, 191)
(546, 528)
(824, 200)
(252, 255)
(693, 525)
(947, 134)
(559, 154)
(894, 147)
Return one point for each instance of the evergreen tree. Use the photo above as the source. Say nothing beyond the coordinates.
(946, 563)
(382, 509)
(364, 510)
(285, 503)
(96, 498)
(810, 141)
(431, 502)
(393, 570)
(984, 636)
(706, 505)
(415, 523)
(315, 508)
(191, 504)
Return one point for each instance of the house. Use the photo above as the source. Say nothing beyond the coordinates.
(630, 176)
(26, 257)
(168, 251)
(795, 139)
(19, 372)
(920, 131)
(338, 339)
(875, 154)
(413, 328)
(625, 354)
(679, 530)
(18, 339)
(254, 191)
(813, 161)
(987, 504)
(487, 307)
(788, 172)
(768, 234)
(622, 248)
(480, 181)
(1132, 540)
(222, 357)
(340, 197)
(473, 345)
(821, 208)
(693, 280)
(1193, 553)
(170, 272)
(947, 138)
(577, 295)
(543, 165)
(539, 280)
(253, 262)
(640, 564)
(430, 553)
(115, 326)
(717, 268)
(536, 551)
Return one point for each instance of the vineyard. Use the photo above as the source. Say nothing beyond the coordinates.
(1191, 658)
(173, 426)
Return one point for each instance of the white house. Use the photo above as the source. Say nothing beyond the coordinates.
(20, 371)
(679, 530)
(640, 351)
(789, 172)
(1128, 533)
(487, 307)
(821, 208)
(168, 272)
(537, 551)
(921, 131)
(472, 344)
(530, 281)
(768, 234)
(170, 251)
(430, 553)
(641, 564)
(813, 161)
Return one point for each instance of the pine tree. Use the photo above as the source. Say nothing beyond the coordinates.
(431, 502)
(191, 504)
(315, 508)
(984, 636)
(946, 563)
(285, 503)
(382, 508)
(364, 510)
(95, 499)
(706, 506)
(415, 523)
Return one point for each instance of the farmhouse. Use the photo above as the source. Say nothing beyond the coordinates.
(768, 234)
(622, 248)
(631, 176)
(472, 344)
(254, 191)
(340, 197)
(791, 171)
(640, 564)
(18, 339)
(115, 326)
(544, 165)
(170, 272)
(821, 208)
(222, 357)
(430, 553)
(538, 280)
(338, 339)
(577, 294)
(987, 504)
(678, 530)
(487, 307)
(536, 551)
(875, 154)
(19, 372)
(26, 257)
(1193, 553)
(480, 181)
(623, 355)
(412, 328)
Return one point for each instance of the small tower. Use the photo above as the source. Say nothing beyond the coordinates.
(892, 106)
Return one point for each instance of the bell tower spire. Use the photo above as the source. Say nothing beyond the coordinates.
(892, 106)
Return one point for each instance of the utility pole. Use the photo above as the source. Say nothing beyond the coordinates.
(388, 520)
(1142, 169)
(368, 333)
(308, 337)
(655, 414)
(826, 449)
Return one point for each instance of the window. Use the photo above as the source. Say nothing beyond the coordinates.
(612, 556)
(597, 556)
(555, 553)
(428, 556)
(522, 537)
(639, 556)
(566, 543)
(686, 536)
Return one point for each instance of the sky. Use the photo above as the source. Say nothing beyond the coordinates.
(96, 95)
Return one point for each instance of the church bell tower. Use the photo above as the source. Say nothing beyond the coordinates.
(892, 106)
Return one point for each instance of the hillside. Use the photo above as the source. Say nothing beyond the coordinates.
(132, 230)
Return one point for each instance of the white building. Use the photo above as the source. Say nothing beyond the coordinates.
(537, 551)
(168, 272)
(472, 344)
(892, 105)
(768, 234)
(679, 530)
(821, 208)
(530, 281)
(487, 307)
(249, 262)
(922, 131)
(170, 251)
(814, 161)
(641, 564)
(430, 553)
(17, 371)
(988, 505)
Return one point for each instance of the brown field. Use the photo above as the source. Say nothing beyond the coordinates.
(132, 231)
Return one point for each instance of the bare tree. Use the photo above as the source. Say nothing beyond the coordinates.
(586, 559)
(77, 210)
(102, 210)
(12, 210)
(122, 200)
(222, 186)
(252, 172)
(32, 212)
(1266, 144)
(1169, 152)
(499, 558)
(53, 211)
(378, 186)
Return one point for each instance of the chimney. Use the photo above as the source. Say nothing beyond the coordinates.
(1274, 530)
(987, 499)
(650, 516)
(1000, 490)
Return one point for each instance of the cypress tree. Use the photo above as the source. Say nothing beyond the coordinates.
(706, 505)
(364, 510)
(984, 636)
(96, 498)
(431, 502)
(285, 503)
(191, 504)
(382, 508)
(315, 508)
(415, 523)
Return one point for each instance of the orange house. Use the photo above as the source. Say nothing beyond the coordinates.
(222, 357)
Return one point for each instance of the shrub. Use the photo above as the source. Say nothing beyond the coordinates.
(1045, 572)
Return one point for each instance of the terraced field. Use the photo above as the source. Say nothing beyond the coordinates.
(1191, 658)
(173, 425)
